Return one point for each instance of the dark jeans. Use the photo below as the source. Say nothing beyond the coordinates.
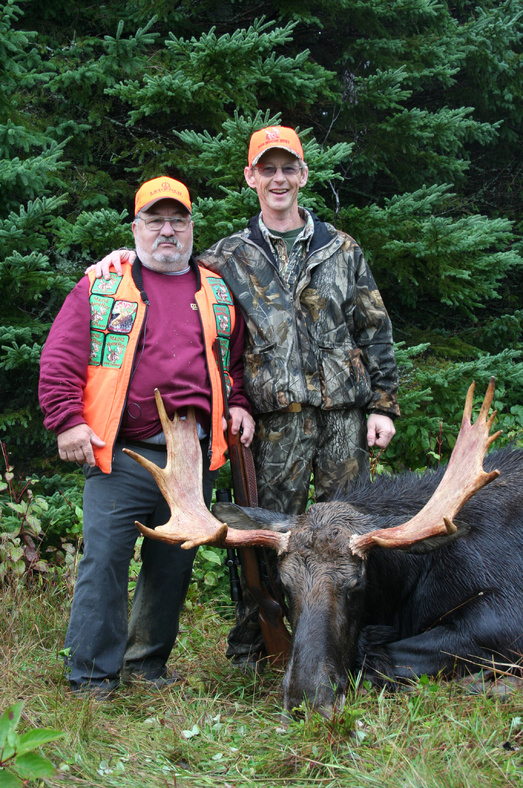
(101, 642)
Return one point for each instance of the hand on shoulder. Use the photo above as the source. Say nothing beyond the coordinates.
(113, 260)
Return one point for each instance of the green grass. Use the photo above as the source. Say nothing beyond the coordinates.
(222, 729)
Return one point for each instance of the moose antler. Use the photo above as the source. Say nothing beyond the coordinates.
(462, 479)
(180, 482)
(191, 523)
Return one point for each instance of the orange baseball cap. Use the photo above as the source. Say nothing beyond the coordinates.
(161, 189)
(274, 137)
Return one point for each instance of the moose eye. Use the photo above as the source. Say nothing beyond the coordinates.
(352, 584)
(355, 582)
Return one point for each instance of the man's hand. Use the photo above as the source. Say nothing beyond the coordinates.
(241, 420)
(76, 444)
(380, 430)
(114, 259)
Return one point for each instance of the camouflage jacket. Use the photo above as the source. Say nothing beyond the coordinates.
(324, 339)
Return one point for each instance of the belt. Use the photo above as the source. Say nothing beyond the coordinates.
(142, 444)
(294, 407)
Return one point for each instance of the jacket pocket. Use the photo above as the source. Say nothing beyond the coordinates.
(262, 369)
(344, 379)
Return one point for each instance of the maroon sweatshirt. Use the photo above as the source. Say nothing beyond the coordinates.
(170, 357)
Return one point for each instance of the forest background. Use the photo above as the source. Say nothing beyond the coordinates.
(411, 116)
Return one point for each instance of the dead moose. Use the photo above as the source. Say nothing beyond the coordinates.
(389, 582)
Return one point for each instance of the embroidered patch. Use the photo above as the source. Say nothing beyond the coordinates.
(224, 346)
(97, 343)
(223, 320)
(107, 286)
(114, 350)
(220, 290)
(123, 316)
(100, 310)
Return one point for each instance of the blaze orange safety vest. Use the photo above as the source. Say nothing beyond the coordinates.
(117, 315)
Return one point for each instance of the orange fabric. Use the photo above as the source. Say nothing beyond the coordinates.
(274, 137)
(106, 388)
(161, 189)
(205, 298)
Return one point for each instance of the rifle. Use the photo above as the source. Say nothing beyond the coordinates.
(232, 561)
(275, 634)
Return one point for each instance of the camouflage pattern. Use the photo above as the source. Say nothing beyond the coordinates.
(289, 263)
(290, 448)
(323, 338)
(317, 334)
(245, 644)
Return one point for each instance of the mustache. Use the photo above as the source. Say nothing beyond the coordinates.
(165, 239)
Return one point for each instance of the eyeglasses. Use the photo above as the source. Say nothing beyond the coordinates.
(269, 170)
(155, 223)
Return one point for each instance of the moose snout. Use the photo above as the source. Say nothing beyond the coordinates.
(319, 691)
(313, 679)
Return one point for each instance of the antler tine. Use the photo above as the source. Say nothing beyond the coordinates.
(235, 537)
(180, 482)
(483, 413)
(467, 410)
(167, 425)
(463, 477)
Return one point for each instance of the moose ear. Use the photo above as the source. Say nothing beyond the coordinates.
(437, 542)
(249, 518)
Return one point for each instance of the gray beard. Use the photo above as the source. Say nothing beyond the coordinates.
(173, 260)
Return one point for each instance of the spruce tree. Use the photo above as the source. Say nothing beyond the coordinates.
(409, 114)
(39, 243)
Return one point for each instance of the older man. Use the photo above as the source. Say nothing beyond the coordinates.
(320, 370)
(113, 342)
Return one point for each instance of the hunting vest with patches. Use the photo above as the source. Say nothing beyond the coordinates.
(118, 312)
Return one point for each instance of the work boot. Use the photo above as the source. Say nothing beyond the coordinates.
(249, 664)
(99, 691)
(150, 681)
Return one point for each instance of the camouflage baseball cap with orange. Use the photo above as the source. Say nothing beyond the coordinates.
(274, 137)
(162, 188)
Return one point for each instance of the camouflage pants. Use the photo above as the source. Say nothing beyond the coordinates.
(290, 450)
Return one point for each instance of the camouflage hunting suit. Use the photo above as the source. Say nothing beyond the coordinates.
(317, 335)
(323, 338)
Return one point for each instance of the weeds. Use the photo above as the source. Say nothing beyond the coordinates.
(18, 761)
(223, 729)
(40, 528)
(20, 513)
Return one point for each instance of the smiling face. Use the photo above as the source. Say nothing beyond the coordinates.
(278, 194)
(165, 249)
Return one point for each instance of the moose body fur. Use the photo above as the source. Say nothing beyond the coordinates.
(449, 605)
(407, 576)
